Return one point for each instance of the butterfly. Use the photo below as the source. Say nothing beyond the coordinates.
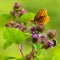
(41, 17)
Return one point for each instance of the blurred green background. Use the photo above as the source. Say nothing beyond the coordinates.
(53, 7)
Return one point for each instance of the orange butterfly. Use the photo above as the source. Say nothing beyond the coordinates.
(41, 17)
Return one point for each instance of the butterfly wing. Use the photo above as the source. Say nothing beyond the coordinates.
(42, 17)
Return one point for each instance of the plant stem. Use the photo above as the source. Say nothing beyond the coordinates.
(31, 55)
(17, 18)
(21, 50)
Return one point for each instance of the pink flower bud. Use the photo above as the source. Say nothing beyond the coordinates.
(17, 5)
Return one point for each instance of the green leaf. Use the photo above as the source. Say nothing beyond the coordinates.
(27, 17)
(7, 44)
(4, 18)
(14, 35)
(27, 34)
(37, 48)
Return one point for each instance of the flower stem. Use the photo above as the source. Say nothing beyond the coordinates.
(21, 50)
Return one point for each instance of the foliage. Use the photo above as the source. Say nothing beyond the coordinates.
(14, 35)
(4, 18)
(27, 17)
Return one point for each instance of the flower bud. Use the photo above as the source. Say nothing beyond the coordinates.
(24, 11)
(21, 27)
(35, 36)
(17, 26)
(32, 28)
(7, 25)
(17, 5)
(42, 38)
(11, 22)
(47, 44)
(40, 28)
(24, 29)
(51, 33)
(50, 44)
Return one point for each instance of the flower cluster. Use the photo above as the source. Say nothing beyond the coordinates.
(46, 39)
(17, 12)
(38, 36)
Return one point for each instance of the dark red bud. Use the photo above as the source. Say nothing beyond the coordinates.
(32, 28)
